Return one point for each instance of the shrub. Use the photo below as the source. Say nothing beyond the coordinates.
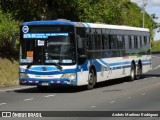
(8, 27)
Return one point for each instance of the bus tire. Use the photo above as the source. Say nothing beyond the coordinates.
(139, 71)
(132, 73)
(91, 80)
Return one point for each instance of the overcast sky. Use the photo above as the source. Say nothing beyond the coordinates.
(152, 7)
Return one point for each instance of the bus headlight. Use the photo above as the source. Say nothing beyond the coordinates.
(23, 75)
(70, 76)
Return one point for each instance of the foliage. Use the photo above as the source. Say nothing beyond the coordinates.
(122, 12)
(8, 26)
(155, 46)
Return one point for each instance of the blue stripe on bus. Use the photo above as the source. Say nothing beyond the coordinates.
(39, 68)
(121, 63)
(84, 67)
(50, 73)
(48, 22)
(113, 64)
(42, 35)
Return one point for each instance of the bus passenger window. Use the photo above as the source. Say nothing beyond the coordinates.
(130, 42)
(135, 42)
(105, 42)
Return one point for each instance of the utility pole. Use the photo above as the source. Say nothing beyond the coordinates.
(143, 8)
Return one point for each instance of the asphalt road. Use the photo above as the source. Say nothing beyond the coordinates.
(115, 95)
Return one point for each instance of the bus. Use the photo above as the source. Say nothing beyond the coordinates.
(63, 52)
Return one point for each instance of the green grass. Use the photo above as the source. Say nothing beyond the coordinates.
(8, 72)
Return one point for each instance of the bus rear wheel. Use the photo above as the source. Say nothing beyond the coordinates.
(139, 72)
(91, 80)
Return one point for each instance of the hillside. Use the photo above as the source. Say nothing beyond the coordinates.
(8, 72)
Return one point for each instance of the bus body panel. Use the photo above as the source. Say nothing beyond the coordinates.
(107, 66)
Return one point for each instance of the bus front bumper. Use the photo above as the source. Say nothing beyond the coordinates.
(46, 82)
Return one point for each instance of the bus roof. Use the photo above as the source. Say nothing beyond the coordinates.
(83, 24)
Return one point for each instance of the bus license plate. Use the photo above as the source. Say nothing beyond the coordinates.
(45, 84)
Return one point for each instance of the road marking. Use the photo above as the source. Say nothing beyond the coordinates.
(93, 106)
(153, 77)
(5, 90)
(112, 102)
(3, 103)
(50, 95)
(143, 94)
(129, 97)
(133, 92)
(28, 99)
(156, 67)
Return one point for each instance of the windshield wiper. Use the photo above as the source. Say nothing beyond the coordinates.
(57, 65)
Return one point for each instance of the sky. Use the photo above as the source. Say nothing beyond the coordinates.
(152, 7)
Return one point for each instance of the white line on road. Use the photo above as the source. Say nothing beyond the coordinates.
(5, 90)
(50, 95)
(28, 99)
(156, 67)
(153, 77)
(143, 94)
(112, 102)
(134, 91)
(129, 97)
(93, 106)
(3, 103)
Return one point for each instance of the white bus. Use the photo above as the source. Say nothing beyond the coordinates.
(60, 52)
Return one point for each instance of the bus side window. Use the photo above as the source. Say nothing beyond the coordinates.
(110, 46)
(130, 42)
(82, 45)
(135, 42)
(105, 42)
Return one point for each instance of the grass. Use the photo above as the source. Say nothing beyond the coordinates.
(8, 72)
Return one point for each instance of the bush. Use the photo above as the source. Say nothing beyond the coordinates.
(155, 46)
(8, 27)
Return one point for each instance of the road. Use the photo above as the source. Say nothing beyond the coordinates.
(115, 95)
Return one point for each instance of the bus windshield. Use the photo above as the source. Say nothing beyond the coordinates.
(59, 49)
(56, 49)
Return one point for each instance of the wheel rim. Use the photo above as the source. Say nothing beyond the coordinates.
(91, 79)
(132, 74)
(139, 72)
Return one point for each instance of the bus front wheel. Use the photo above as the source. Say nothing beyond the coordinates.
(132, 72)
(91, 80)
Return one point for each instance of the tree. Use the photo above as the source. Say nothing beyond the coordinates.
(8, 26)
(122, 12)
